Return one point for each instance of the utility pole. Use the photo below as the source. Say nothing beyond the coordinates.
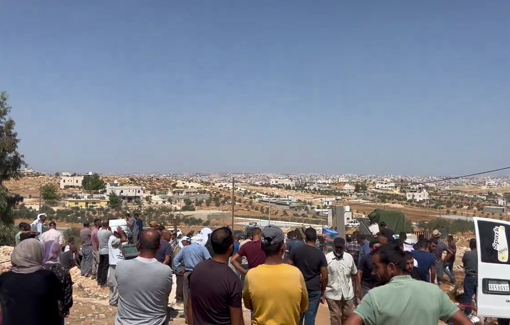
(269, 209)
(233, 202)
(40, 197)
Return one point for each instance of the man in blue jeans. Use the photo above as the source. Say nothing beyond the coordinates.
(312, 263)
(470, 262)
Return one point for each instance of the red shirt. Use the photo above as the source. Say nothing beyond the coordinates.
(253, 252)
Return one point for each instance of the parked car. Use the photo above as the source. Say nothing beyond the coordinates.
(353, 223)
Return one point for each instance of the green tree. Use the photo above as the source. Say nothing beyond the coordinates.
(73, 233)
(7, 233)
(360, 187)
(49, 192)
(92, 183)
(11, 160)
(114, 201)
(188, 208)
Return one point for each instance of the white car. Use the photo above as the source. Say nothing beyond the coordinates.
(353, 223)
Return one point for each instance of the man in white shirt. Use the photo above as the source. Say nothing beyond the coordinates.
(144, 285)
(342, 272)
(114, 257)
(53, 235)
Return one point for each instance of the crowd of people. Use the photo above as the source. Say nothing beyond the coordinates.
(281, 279)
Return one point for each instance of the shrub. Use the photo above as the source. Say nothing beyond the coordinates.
(73, 232)
(7, 234)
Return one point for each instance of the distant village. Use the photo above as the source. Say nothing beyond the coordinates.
(304, 195)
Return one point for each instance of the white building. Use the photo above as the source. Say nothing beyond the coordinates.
(348, 188)
(70, 181)
(128, 193)
(501, 201)
(418, 196)
(158, 200)
(223, 184)
(282, 182)
(385, 186)
(416, 187)
(328, 201)
(325, 181)
(491, 184)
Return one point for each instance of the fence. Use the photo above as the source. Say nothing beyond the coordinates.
(426, 234)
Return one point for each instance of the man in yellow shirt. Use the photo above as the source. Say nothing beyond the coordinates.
(275, 292)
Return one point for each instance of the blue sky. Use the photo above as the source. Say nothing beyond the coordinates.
(403, 87)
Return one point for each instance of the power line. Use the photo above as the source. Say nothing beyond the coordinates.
(464, 176)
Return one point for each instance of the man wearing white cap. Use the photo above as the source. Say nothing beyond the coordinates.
(179, 271)
(188, 257)
(38, 225)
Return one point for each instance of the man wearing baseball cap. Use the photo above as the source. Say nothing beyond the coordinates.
(275, 292)
(342, 272)
(438, 250)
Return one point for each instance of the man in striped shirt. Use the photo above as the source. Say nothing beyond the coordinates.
(353, 246)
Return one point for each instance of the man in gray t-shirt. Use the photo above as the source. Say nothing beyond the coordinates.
(102, 236)
(144, 285)
(438, 247)
(470, 263)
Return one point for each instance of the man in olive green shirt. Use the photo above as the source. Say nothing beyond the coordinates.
(403, 300)
(23, 227)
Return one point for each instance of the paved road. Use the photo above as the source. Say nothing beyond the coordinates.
(454, 217)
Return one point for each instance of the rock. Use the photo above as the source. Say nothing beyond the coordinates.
(87, 285)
